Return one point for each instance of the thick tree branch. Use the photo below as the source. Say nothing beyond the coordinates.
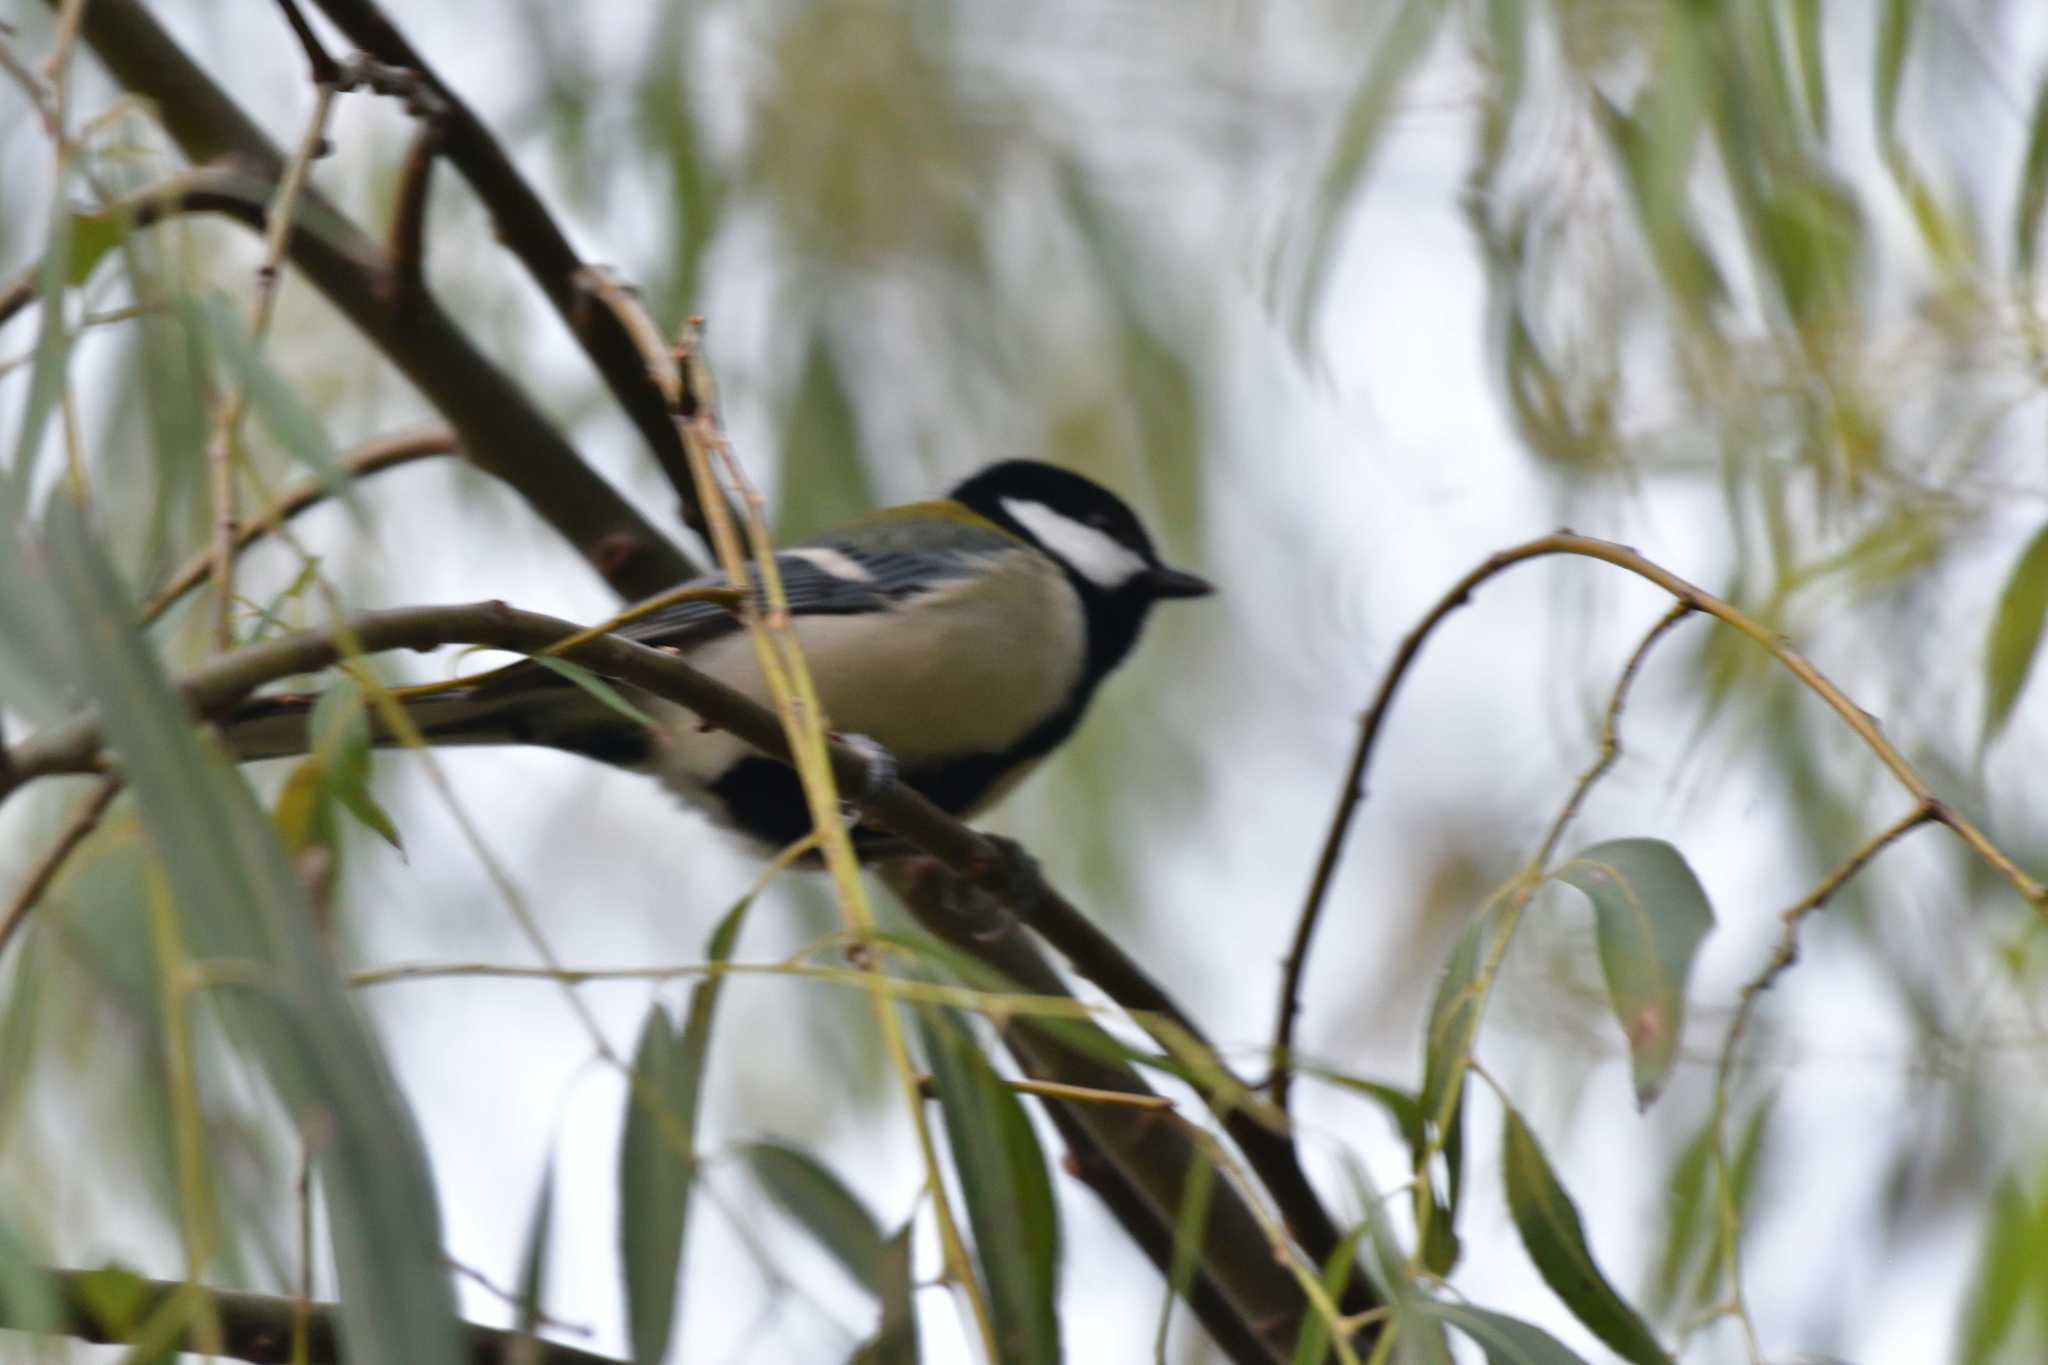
(502, 432)
(526, 227)
(260, 1327)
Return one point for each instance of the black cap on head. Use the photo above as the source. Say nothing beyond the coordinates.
(1091, 531)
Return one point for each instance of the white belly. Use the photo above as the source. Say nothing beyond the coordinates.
(933, 678)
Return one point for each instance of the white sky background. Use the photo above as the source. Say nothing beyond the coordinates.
(1340, 502)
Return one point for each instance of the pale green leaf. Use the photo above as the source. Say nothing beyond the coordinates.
(1650, 915)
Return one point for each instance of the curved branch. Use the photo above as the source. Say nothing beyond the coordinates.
(530, 232)
(254, 1327)
(374, 458)
(502, 432)
(1688, 595)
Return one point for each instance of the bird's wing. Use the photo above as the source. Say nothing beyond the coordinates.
(869, 566)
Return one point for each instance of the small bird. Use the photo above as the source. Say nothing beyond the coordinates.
(964, 636)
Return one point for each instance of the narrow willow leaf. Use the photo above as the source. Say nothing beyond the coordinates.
(1745, 1161)
(533, 1262)
(895, 1341)
(2008, 1274)
(28, 1301)
(1188, 1228)
(596, 687)
(1650, 915)
(52, 356)
(1455, 1010)
(1394, 58)
(1894, 39)
(1686, 1215)
(290, 422)
(1403, 1107)
(1505, 1340)
(1008, 1191)
(1314, 1344)
(1806, 35)
(237, 898)
(340, 732)
(658, 1149)
(835, 1216)
(2015, 634)
(654, 1187)
(1556, 1241)
(2033, 195)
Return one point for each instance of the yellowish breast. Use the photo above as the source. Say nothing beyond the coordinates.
(971, 667)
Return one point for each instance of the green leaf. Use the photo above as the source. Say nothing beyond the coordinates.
(340, 732)
(655, 1169)
(2008, 1276)
(658, 1149)
(533, 1262)
(1456, 1008)
(895, 1341)
(1894, 41)
(52, 357)
(1393, 59)
(596, 687)
(810, 1193)
(1314, 1344)
(1008, 1192)
(1806, 34)
(1556, 1241)
(1188, 1227)
(93, 235)
(2033, 194)
(1650, 915)
(1742, 1181)
(237, 898)
(1505, 1340)
(28, 1301)
(272, 398)
(2015, 634)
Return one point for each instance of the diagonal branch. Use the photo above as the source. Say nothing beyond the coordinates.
(502, 432)
(530, 232)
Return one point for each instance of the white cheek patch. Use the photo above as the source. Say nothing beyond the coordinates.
(1095, 555)
(838, 564)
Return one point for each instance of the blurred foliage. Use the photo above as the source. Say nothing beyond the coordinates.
(1763, 270)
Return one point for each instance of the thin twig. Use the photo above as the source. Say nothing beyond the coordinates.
(409, 214)
(221, 448)
(1859, 721)
(82, 823)
(1610, 733)
(386, 453)
(1061, 1090)
(319, 66)
(1782, 957)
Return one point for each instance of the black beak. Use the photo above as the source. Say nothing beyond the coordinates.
(1166, 582)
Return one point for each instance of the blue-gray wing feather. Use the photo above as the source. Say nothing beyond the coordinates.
(855, 574)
